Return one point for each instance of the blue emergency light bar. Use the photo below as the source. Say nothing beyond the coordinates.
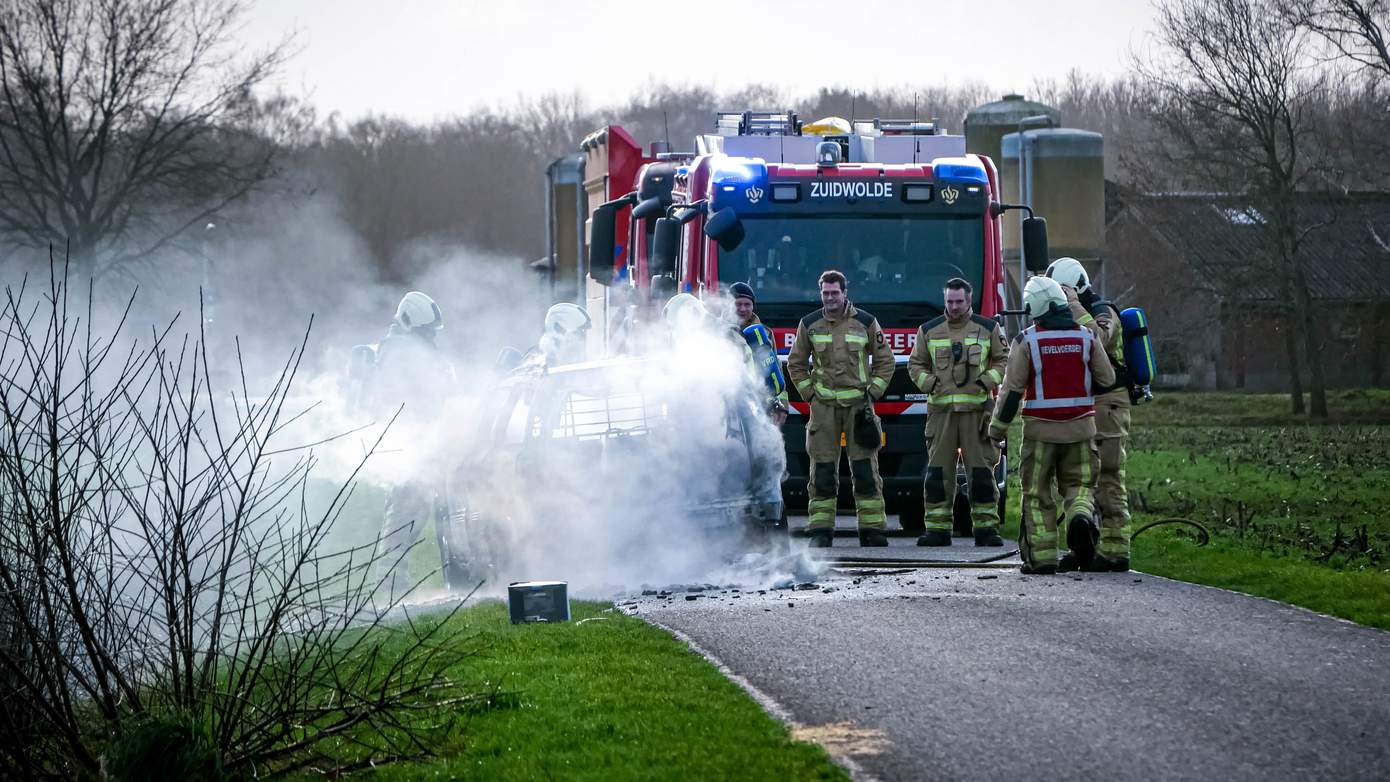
(739, 170)
(960, 170)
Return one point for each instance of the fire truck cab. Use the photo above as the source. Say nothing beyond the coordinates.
(898, 206)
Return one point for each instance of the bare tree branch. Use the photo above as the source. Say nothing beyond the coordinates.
(123, 123)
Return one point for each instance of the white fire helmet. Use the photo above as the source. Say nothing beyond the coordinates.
(567, 320)
(1070, 272)
(566, 330)
(1041, 294)
(418, 311)
(683, 311)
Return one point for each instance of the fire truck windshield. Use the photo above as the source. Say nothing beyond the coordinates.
(886, 259)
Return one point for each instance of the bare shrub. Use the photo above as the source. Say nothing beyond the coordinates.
(158, 558)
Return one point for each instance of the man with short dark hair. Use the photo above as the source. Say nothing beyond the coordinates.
(958, 360)
(839, 363)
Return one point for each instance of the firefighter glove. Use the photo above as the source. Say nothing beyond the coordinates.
(866, 431)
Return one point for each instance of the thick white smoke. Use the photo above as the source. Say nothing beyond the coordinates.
(645, 510)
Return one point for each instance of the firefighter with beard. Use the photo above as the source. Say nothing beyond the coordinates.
(1049, 376)
(958, 360)
(411, 376)
(839, 363)
(1112, 417)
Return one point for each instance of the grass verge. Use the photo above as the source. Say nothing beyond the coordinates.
(606, 697)
(1296, 508)
(1361, 596)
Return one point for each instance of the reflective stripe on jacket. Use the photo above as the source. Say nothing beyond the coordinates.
(837, 360)
(1059, 387)
(962, 383)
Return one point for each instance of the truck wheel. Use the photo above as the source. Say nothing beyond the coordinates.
(912, 517)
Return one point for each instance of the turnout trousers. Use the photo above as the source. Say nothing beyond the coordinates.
(409, 508)
(948, 433)
(1112, 497)
(1071, 468)
(829, 425)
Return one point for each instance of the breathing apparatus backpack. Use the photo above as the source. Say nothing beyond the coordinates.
(759, 339)
(1139, 354)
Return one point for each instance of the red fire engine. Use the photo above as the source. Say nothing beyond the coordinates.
(898, 206)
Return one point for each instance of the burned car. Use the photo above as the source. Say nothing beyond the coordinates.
(609, 459)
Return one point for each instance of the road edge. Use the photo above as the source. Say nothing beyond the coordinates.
(768, 704)
(1275, 601)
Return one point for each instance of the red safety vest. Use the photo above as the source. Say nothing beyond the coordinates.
(1059, 387)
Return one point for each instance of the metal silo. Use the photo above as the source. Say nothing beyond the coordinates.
(1061, 174)
(986, 125)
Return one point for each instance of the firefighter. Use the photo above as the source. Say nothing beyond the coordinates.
(565, 332)
(744, 300)
(839, 363)
(958, 360)
(413, 377)
(1112, 416)
(1049, 374)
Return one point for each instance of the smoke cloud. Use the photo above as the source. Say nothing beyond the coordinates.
(628, 473)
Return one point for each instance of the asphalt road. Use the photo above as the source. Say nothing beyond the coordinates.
(989, 674)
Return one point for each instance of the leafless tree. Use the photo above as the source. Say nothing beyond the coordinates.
(123, 123)
(1120, 109)
(158, 559)
(1355, 29)
(1235, 97)
(1354, 46)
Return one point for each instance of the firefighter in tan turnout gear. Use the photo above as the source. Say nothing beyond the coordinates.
(1112, 417)
(839, 363)
(958, 360)
(1049, 375)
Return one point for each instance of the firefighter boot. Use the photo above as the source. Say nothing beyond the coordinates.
(821, 538)
(1081, 539)
(871, 538)
(988, 536)
(1069, 563)
(935, 537)
(1103, 564)
(1042, 569)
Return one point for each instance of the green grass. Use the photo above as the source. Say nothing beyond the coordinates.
(1359, 595)
(1297, 509)
(1228, 408)
(606, 697)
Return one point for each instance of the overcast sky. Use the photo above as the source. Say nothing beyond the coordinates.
(424, 59)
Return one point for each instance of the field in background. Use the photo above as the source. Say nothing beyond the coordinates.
(1297, 510)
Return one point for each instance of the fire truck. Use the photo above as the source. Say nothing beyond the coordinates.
(898, 206)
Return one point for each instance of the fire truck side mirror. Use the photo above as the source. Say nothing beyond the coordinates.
(663, 288)
(725, 227)
(1035, 244)
(666, 241)
(652, 207)
(601, 242)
